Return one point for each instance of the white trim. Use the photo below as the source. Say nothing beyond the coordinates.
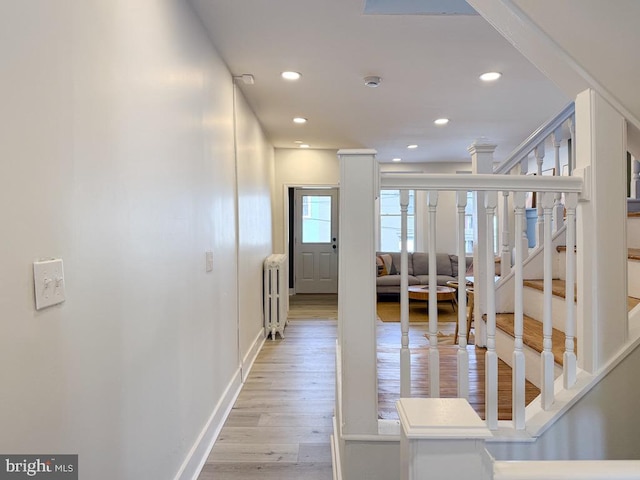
(252, 354)
(197, 456)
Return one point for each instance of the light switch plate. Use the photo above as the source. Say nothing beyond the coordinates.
(208, 261)
(48, 279)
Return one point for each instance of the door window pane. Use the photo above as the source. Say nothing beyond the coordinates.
(316, 219)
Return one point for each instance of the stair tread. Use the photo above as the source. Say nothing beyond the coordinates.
(532, 335)
(632, 253)
(558, 287)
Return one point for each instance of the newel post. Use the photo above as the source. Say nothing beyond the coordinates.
(359, 187)
(481, 162)
(442, 439)
(601, 218)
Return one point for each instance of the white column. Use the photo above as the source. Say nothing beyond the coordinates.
(359, 186)
(481, 162)
(441, 438)
(601, 221)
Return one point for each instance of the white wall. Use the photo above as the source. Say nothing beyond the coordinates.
(255, 165)
(117, 155)
(298, 167)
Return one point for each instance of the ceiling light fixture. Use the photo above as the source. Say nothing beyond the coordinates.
(372, 82)
(304, 145)
(396, 160)
(290, 75)
(412, 146)
(441, 121)
(490, 76)
(298, 141)
(299, 120)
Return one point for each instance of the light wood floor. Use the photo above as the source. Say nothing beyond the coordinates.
(280, 425)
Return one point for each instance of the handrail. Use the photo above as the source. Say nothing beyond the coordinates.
(480, 182)
(534, 139)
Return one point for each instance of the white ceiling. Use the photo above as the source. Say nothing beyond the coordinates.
(429, 66)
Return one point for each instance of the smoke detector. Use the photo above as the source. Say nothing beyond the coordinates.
(372, 81)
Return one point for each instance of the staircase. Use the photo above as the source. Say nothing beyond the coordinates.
(533, 310)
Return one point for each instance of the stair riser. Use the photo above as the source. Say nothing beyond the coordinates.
(534, 304)
(633, 271)
(633, 232)
(532, 363)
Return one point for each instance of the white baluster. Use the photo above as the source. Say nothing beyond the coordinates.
(505, 254)
(569, 363)
(518, 371)
(405, 353)
(539, 154)
(463, 355)
(434, 354)
(491, 357)
(558, 208)
(547, 392)
(524, 169)
(572, 134)
(635, 179)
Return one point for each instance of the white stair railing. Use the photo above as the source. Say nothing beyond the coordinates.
(516, 186)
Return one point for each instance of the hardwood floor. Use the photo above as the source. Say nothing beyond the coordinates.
(280, 425)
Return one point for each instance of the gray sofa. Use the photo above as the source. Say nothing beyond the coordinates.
(418, 271)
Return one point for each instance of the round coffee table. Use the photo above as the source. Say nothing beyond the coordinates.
(421, 292)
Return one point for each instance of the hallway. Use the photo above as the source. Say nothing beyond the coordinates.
(280, 425)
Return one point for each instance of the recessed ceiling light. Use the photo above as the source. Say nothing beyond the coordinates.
(298, 141)
(490, 76)
(299, 120)
(290, 75)
(412, 146)
(396, 160)
(304, 145)
(441, 121)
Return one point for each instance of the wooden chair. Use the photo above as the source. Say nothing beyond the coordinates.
(469, 291)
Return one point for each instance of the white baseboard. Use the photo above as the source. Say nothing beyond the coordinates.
(197, 456)
(252, 353)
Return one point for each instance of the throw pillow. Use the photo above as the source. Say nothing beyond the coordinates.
(388, 267)
(381, 267)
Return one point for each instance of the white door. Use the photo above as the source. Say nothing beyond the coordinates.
(316, 240)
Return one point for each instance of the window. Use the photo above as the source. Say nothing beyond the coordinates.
(470, 225)
(316, 219)
(390, 221)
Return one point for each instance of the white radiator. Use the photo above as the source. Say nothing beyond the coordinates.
(276, 294)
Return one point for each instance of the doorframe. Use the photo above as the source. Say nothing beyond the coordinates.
(287, 220)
